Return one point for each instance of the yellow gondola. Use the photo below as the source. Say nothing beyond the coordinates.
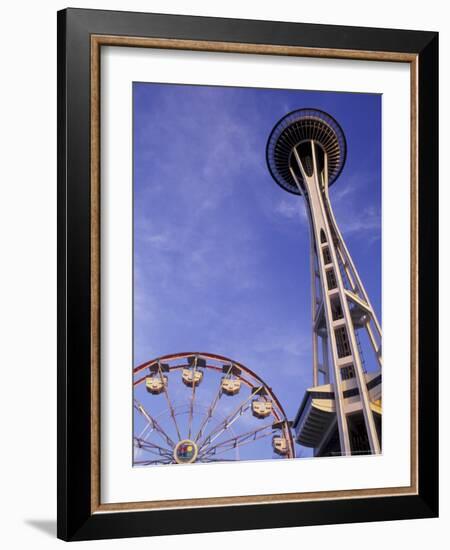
(192, 377)
(280, 445)
(156, 384)
(230, 386)
(261, 409)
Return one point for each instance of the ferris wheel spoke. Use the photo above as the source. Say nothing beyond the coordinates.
(228, 420)
(152, 447)
(154, 424)
(192, 401)
(227, 450)
(207, 459)
(237, 441)
(152, 462)
(211, 408)
(160, 454)
(169, 402)
(147, 429)
(169, 432)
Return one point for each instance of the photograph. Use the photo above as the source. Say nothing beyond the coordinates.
(257, 274)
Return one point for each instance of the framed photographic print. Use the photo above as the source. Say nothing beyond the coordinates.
(247, 274)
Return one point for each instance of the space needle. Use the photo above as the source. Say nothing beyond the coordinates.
(340, 414)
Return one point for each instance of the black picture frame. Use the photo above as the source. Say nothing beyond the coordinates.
(76, 520)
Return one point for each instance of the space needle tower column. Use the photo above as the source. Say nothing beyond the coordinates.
(341, 413)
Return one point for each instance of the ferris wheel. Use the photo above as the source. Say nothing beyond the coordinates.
(202, 407)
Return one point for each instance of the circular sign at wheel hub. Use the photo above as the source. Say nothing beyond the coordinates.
(185, 452)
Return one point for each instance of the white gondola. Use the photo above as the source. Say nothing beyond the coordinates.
(192, 377)
(261, 409)
(230, 386)
(155, 384)
(280, 445)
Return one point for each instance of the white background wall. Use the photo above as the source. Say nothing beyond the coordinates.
(28, 270)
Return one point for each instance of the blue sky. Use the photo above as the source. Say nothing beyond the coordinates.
(221, 253)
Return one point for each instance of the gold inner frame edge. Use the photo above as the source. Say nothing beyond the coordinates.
(97, 41)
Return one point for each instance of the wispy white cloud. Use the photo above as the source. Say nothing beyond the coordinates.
(354, 217)
(346, 200)
(205, 207)
(366, 221)
(291, 208)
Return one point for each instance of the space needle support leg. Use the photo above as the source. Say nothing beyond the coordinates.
(347, 323)
(318, 223)
(375, 346)
(315, 304)
(349, 265)
(326, 367)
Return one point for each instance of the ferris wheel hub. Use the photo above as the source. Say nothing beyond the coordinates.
(185, 451)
